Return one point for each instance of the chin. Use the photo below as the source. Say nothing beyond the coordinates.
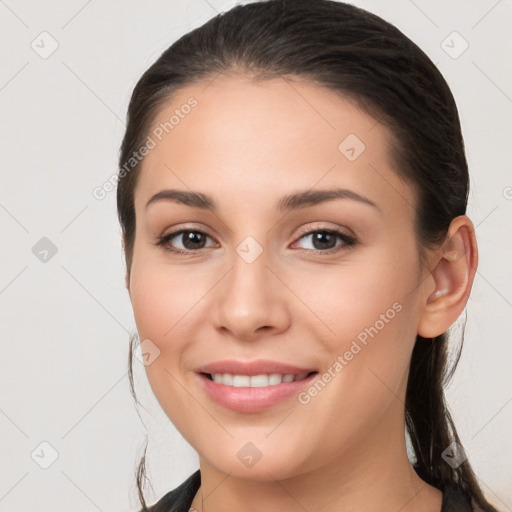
(257, 461)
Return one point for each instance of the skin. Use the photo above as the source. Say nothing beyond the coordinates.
(247, 144)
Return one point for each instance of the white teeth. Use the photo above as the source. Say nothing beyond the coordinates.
(259, 381)
(241, 381)
(275, 378)
(227, 379)
(256, 381)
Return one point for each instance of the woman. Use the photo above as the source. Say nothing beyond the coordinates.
(292, 196)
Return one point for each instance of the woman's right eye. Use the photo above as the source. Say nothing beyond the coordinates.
(191, 241)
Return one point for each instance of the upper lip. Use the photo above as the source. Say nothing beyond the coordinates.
(259, 367)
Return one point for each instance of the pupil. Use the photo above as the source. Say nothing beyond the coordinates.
(322, 238)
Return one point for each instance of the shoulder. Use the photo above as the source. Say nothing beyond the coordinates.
(180, 498)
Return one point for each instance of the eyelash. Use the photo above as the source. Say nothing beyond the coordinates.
(348, 241)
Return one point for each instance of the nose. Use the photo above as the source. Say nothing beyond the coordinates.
(250, 301)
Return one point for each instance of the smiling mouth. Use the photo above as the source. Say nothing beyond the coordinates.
(256, 381)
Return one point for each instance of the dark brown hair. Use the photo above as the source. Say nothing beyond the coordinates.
(366, 60)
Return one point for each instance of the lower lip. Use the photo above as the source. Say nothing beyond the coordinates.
(252, 399)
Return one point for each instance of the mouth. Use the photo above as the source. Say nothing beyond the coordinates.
(252, 387)
(256, 381)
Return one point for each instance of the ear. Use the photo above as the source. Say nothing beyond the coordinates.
(454, 267)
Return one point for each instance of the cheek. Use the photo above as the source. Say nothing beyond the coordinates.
(163, 296)
(164, 301)
(349, 298)
(371, 317)
(383, 333)
(167, 300)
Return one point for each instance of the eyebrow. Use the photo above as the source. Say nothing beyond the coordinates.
(287, 203)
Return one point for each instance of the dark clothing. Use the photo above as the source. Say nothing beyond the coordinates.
(180, 499)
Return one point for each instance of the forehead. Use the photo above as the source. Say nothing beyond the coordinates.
(235, 133)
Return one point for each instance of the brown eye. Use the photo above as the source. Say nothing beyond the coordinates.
(193, 239)
(327, 240)
(324, 240)
(184, 241)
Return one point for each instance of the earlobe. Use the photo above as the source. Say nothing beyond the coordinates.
(455, 264)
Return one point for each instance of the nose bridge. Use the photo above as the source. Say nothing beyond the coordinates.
(248, 279)
(248, 300)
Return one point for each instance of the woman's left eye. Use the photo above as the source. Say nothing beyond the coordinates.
(326, 240)
(192, 240)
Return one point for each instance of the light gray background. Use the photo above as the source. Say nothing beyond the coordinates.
(65, 322)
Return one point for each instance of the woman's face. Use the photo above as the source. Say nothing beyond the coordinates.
(268, 279)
